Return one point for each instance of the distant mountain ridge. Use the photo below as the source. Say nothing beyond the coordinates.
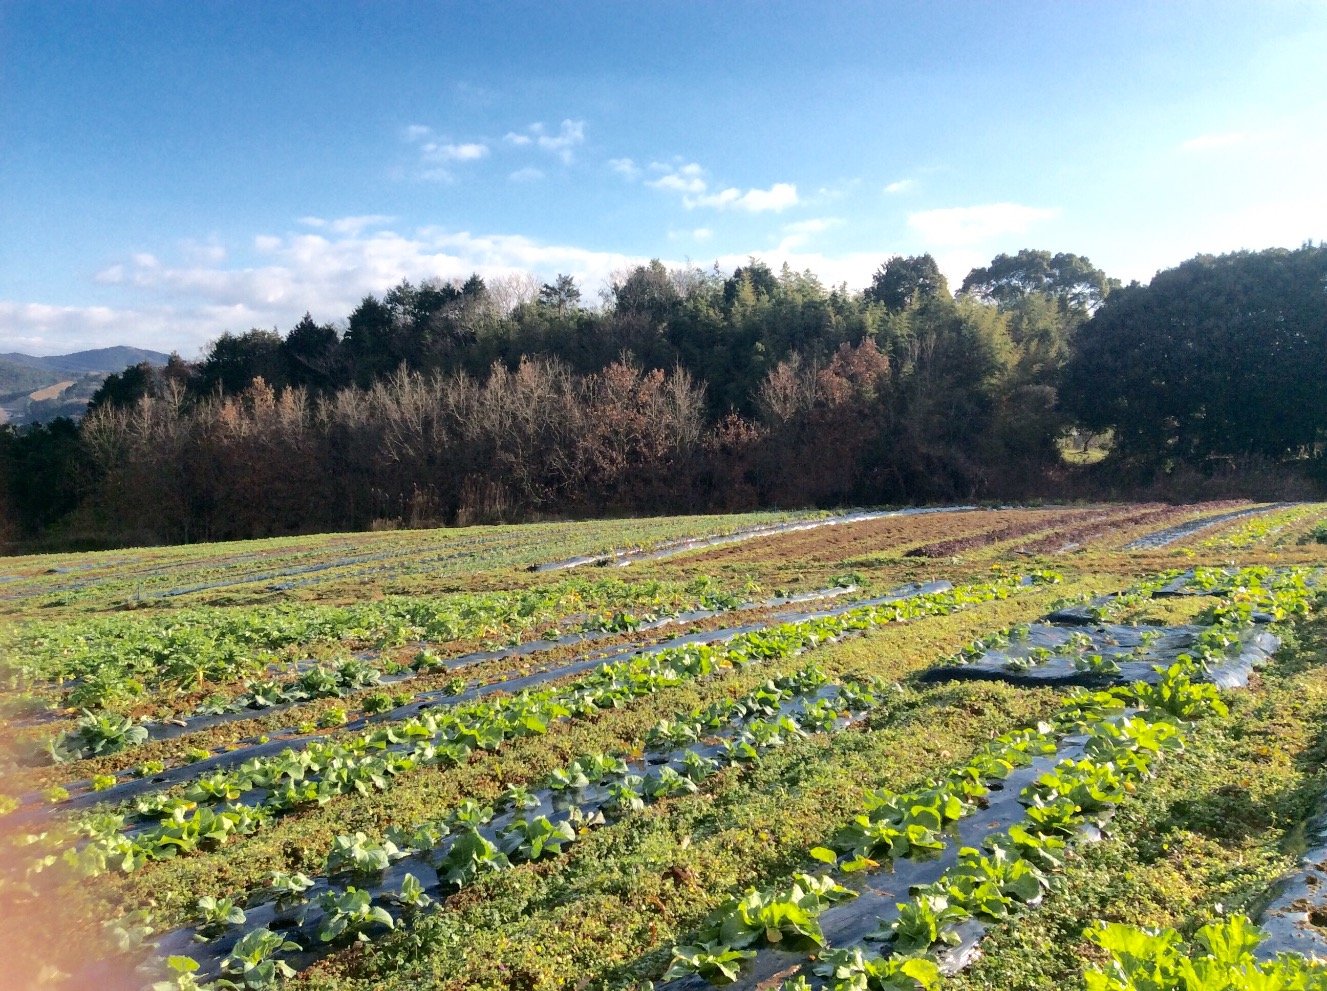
(113, 359)
(39, 388)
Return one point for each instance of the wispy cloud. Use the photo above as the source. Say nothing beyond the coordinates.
(964, 225)
(570, 134)
(471, 151)
(690, 179)
(326, 266)
(624, 167)
(777, 198)
(354, 226)
(812, 225)
(560, 143)
(184, 306)
(437, 154)
(900, 186)
(799, 232)
(697, 234)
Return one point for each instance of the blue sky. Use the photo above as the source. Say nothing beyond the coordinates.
(170, 171)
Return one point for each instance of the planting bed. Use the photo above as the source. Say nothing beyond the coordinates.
(867, 543)
(671, 548)
(1051, 522)
(871, 750)
(1182, 531)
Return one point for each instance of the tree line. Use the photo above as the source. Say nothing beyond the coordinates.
(686, 391)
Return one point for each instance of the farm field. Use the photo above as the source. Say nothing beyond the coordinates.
(965, 747)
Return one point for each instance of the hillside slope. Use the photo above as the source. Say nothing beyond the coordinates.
(27, 382)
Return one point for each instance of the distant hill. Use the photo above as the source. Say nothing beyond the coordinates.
(16, 379)
(28, 382)
(107, 360)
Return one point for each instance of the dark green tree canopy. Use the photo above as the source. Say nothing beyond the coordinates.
(900, 282)
(561, 294)
(647, 289)
(755, 280)
(418, 326)
(122, 389)
(237, 359)
(313, 354)
(1222, 357)
(1070, 279)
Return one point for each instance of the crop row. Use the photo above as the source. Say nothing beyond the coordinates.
(1220, 957)
(380, 708)
(98, 733)
(527, 822)
(1147, 514)
(1183, 531)
(116, 657)
(1014, 869)
(1023, 528)
(663, 732)
(207, 814)
(129, 576)
(1125, 729)
(1258, 530)
(624, 556)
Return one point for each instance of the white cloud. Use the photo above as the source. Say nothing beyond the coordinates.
(37, 328)
(900, 186)
(181, 306)
(697, 234)
(435, 154)
(690, 179)
(799, 232)
(777, 198)
(569, 135)
(966, 225)
(468, 152)
(528, 174)
(853, 268)
(812, 225)
(355, 225)
(624, 167)
(956, 263)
